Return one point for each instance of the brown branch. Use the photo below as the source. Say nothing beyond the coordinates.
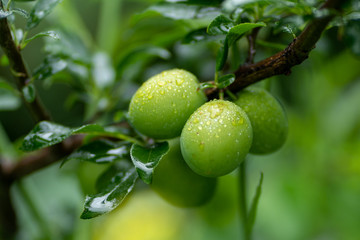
(282, 62)
(40, 159)
(18, 66)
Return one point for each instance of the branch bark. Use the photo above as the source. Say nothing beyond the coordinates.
(282, 62)
(17, 64)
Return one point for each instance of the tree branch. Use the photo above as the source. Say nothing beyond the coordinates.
(41, 159)
(22, 76)
(282, 62)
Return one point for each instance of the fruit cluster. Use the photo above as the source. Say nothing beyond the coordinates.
(215, 136)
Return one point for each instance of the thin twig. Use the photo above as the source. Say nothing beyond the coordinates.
(17, 64)
(282, 62)
(252, 49)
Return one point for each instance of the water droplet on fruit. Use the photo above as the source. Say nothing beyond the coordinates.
(150, 96)
(179, 81)
(162, 92)
(208, 123)
(161, 83)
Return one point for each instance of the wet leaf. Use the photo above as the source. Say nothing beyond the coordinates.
(9, 97)
(45, 134)
(50, 66)
(5, 14)
(220, 25)
(112, 193)
(29, 92)
(179, 11)
(199, 35)
(237, 31)
(146, 159)
(206, 85)
(222, 55)
(41, 9)
(226, 80)
(254, 206)
(99, 151)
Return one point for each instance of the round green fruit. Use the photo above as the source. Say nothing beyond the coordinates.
(174, 181)
(267, 118)
(216, 138)
(161, 106)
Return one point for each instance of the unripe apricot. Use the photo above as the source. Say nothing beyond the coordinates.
(174, 181)
(161, 106)
(216, 138)
(267, 118)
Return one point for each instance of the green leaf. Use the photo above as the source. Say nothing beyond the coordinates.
(9, 97)
(225, 80)
(45, 134)
(50, 66)
(51, 34)
(99, 151)
(222, 55)
(5, 14)
(4, 61)
(29, 92)
(237, 31)
(112, 194)
(179, 11)
(352, 38)
(205, 85)
(21, 12)
(41, 9)
(199, 2)
(199, 35)
(146, 159)
(103, 72)
(220, 25)
(254, 206)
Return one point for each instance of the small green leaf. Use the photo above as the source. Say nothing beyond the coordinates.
(220, 25)
(225, 80)
(222, 55)
(179, 11)
(9, 97)
(146, 159)
(99, 151)
(352, 38)
(199, 2)
(41, 9)
(199, 35)
(45, 134)
(4, 61)
(237, 31)
(254, 205)
(112, 194)
(21, 12)
(205, 85)
(5, 14)
(29, 92)
(50, 66)
(102, 71)
(51, 34)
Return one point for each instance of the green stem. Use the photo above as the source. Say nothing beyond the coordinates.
(242, 200)
(34, 210)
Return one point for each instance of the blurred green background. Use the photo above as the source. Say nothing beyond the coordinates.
(311, 186)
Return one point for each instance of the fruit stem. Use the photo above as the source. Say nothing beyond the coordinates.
(242, 200)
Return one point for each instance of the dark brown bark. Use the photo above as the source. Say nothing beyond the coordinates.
(282, 62)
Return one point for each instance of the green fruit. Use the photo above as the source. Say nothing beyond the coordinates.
(216, 138)
(161, 106)
(267, 118)
(174, 181)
